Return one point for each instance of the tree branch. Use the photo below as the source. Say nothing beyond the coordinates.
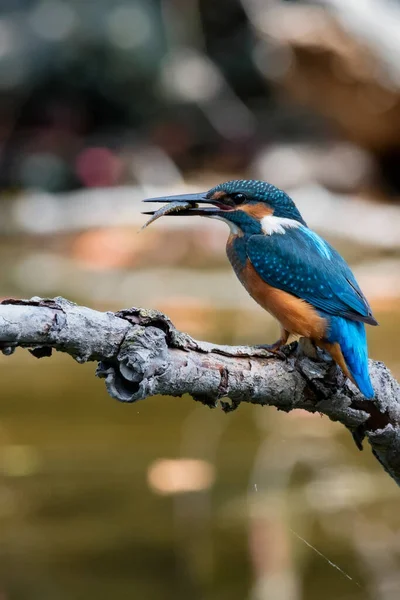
(140, 354)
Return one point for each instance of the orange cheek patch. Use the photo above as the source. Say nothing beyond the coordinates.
(218, 196)
(257, 211)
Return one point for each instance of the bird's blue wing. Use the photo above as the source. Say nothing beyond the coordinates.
(302, 263)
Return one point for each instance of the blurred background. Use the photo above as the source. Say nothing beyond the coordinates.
(102, 103)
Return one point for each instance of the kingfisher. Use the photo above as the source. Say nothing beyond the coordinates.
(289, 270)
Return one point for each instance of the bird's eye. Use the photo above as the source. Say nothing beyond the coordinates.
(238, 197)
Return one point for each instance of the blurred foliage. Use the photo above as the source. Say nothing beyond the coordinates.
(87, 87)
(123, 75)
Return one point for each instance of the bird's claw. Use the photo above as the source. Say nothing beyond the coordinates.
(273, 349)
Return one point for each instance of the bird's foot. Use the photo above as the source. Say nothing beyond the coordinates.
(274, 349)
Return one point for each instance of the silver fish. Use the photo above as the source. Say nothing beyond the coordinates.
(172, 207)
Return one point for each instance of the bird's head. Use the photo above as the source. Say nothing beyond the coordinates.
(247, 206)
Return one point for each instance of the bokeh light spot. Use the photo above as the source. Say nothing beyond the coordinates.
(18, 460)
(191, 76)
(176, 476)
(105, 248)
(128, 27)
(53, 20)
(98, 167)
(8, 38)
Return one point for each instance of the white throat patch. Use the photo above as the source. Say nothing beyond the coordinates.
(271, 224)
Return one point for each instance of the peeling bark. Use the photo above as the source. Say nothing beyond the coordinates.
(140, 354)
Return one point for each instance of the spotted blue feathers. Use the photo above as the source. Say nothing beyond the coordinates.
(295, 263)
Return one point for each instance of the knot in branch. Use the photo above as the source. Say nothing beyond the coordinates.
(143, 355)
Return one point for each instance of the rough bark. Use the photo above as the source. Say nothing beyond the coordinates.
(140, 354)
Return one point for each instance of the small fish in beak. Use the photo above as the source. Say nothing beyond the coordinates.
(185, 205)
(167, 209)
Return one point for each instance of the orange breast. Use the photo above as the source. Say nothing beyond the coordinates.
(295, 315)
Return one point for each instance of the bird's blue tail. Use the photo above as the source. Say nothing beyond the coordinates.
(353, 342)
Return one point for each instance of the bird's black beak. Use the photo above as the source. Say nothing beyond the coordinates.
(193, 199)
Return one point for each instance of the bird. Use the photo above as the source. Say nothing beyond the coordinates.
(289, 270)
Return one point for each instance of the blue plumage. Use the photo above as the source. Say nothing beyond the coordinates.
(297, 263)
(353, 342)
(308, 267)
